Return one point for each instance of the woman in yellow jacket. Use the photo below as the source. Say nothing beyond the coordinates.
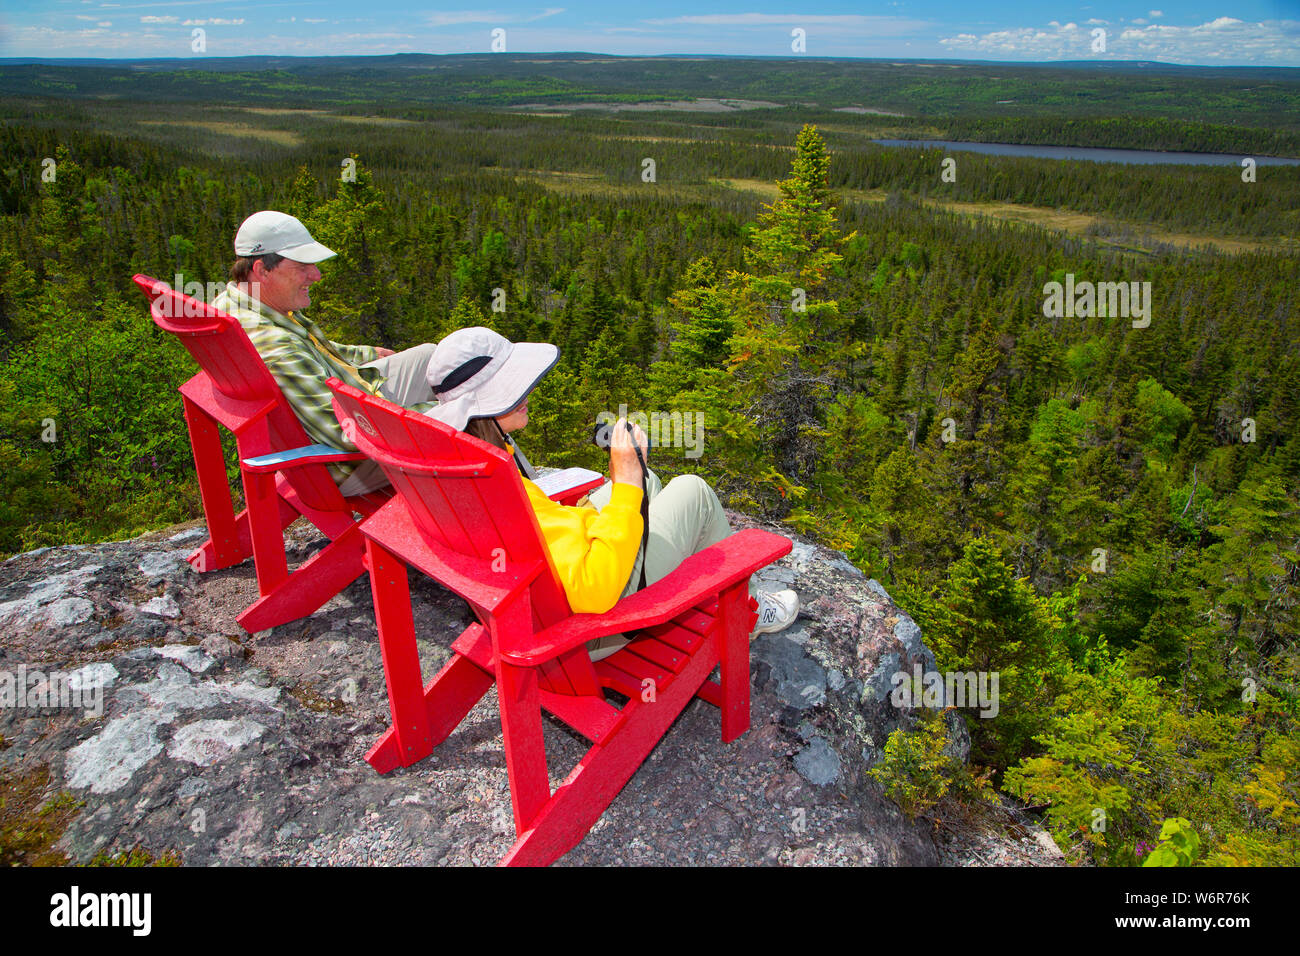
(482, 381)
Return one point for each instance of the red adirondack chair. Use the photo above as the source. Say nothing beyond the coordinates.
(284, 473)
(461, 516)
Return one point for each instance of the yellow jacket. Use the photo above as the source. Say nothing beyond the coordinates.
(594, 551)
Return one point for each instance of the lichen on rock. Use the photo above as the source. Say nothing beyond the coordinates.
(225, 747)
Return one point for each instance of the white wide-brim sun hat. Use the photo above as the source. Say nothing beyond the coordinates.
(477, 373)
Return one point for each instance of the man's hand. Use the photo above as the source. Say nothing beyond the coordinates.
(381, 352)
(623, 465)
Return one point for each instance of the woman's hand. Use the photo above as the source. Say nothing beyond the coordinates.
(623, 465)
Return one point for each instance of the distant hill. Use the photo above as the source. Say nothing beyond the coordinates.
(1266, 97)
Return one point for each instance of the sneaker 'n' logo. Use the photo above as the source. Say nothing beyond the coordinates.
(776, 611)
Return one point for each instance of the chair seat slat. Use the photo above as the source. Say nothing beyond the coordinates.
(659, 653)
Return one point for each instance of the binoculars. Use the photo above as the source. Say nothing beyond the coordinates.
(602, 435)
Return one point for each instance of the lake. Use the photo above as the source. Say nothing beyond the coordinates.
(1091, 154)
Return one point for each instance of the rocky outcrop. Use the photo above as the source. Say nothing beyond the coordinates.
(179, 732)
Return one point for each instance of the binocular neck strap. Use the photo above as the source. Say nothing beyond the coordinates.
(645, 512)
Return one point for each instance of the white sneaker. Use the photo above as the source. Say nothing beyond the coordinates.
(776, 611)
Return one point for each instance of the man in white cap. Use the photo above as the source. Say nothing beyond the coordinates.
(270, 283)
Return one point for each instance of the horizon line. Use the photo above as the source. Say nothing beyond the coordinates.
(1090, 63)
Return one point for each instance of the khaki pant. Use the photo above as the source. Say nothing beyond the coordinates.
(685, 517)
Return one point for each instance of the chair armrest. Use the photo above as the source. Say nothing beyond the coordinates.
(703, 574)
(236, 414)
(294, 457)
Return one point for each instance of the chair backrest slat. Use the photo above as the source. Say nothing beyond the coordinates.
(474, 516)
(483, 516)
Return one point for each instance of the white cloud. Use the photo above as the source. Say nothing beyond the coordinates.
(1224, 40)
(764, 19)
(134, 41)
(1154, 14)
(456, 17)
(47, 41)
(153, 19)
(214, 22)
(842, 24)
(146, 6)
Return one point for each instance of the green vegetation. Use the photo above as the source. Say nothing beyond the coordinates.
(1104, 515)
(136, 856)
(918, 768)
(31, 825)
(1101, 101)
(1178, 845)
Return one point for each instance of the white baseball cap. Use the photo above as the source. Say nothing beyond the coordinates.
(477, 373)
(268, 231)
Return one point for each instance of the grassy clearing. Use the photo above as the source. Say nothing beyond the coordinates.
(652, 139)
(370, 120)
(281, 111)
(280, 137)
(1109, 231)
(1118, 234)
(572, 183)
(328, 115)
(769, 191)
(1125, 235)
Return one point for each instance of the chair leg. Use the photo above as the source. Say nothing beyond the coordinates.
(269, 559)
(521, 716)
(205, 558)
(316, 580)
(449, 697)
(225, 546)
(391, 592)
(734, 625)
(578, 803)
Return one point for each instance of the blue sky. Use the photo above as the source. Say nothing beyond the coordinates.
(1213, 32)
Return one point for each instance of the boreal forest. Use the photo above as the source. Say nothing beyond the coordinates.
(1101, 505)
